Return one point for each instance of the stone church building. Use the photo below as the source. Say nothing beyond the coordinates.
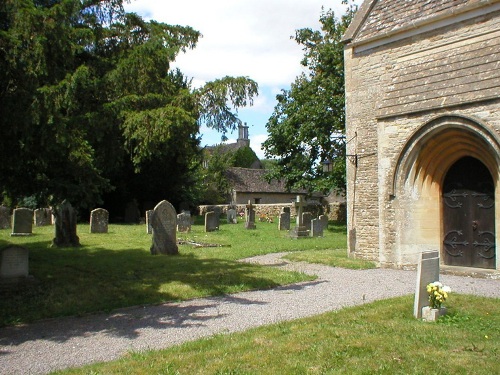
(422, 84)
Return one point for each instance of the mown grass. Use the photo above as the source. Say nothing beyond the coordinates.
(116, 269)
(378, 338)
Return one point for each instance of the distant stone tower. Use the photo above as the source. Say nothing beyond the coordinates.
(243, 140)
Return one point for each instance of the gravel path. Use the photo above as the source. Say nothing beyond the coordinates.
(71, 342)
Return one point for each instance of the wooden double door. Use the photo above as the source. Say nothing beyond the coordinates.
(469, 215)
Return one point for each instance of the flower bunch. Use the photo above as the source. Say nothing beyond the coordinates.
(438, 293)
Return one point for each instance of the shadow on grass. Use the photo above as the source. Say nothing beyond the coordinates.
(80, 281)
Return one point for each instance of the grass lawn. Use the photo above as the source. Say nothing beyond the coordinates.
(116, 269)
(377, 338)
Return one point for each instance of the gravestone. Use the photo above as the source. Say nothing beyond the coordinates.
(250, 216)
(149, 228)
(132, 213)
(300, 230)
(184, 222)
(4, 217)
(99, 219)
(231, 216)
(14, 264)
(427, 272)
(42, 217)
(324, 221)
(65, 226)
(22, 222)
(316, 228)
(164, 222)
(211, 221)
(284, 219)
(306, 220)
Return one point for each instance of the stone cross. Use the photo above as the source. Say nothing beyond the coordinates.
(164, 222)
(249, 216)
(299, 230)
(99, 219)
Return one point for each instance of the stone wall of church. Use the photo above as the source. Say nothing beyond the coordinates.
(391, 91)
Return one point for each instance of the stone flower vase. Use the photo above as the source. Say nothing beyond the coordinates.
(432, 315)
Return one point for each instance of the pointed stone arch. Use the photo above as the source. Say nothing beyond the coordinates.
(420, 171)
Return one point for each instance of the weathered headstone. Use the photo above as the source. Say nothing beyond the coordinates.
(316, 228)
(231, 216)
(99, 219)
(284, 219)
(22, 222)
(427, 272)
(164, 222)
(211, 222)
(14, 263)
(149, 228)
(324, 221)
(65, 226)
(250, 216)
(184, 222)
(42, 217)
(4, 217)
(132, 213)
(299, 230)
(306, 220)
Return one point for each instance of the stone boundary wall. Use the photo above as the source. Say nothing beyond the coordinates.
(335, 211)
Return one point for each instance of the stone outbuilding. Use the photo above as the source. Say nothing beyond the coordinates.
(422, 84)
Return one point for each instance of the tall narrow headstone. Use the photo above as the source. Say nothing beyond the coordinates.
(42, 217)
(284, 219)
(99, 219)
(299, 230)
(324, 221)
(14, 263)
(231, 216)
(149, 228)
(250, 216)
(427, 272)
(22, 222)
(4, 217)
(65, 226)
(306, 220)
(164, 222)
(184, 222)
(316, 228)
(211, 221)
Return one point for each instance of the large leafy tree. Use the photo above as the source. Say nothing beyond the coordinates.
(307, 126)
(89, 102)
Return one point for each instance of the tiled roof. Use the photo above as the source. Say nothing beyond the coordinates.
(252, 180)
(382, 17)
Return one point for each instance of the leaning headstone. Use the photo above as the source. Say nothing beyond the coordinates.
(211, 222)
(149, 228)
(300, 230)
(231, 216)
(306, 220)
(427, 272)
(14, 264)
(99, 219)
(4, 217)
(65, 226)
(316, 228)
(284, 219)
(42, 217)
(184, 222)
(250, 216)
(22, 222)
(164, 222)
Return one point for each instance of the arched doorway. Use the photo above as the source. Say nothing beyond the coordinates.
(468, 198)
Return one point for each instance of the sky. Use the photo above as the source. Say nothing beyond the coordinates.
(249, 38)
